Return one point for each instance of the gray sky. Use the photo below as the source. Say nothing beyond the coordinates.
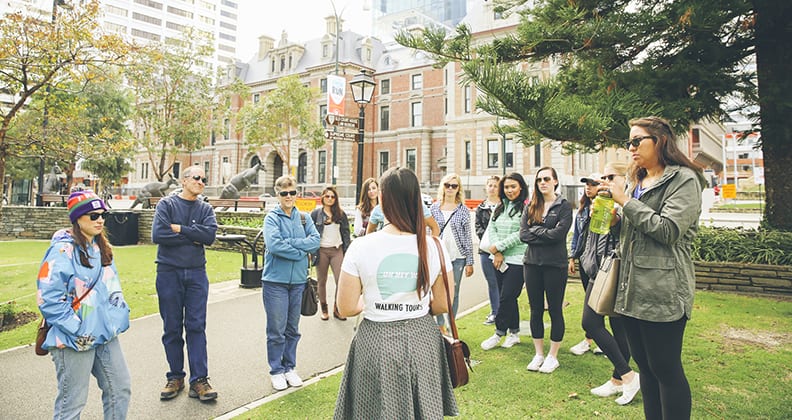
(302, 20)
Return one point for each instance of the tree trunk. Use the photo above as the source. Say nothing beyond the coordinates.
(773, 67)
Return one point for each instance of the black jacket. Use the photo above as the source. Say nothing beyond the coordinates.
(547, 241)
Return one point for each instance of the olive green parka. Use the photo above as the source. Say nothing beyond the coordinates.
(656, 278)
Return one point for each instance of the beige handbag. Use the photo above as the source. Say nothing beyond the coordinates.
(603, 292)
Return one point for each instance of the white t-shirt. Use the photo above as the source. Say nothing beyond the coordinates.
(387, 266)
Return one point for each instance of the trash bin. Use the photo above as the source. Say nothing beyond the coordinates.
(250, 274)
(122, 227)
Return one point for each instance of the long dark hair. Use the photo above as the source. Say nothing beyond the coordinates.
(519, 202)
(536, 208)
(585, 201)
(665, 146)
(364, 205)
(402, 206)
(105, 250)
(335, 208)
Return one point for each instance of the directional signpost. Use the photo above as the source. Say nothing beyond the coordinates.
(340, 135)
(341, 121)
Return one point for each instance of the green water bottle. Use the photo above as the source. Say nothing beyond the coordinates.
(601, 213)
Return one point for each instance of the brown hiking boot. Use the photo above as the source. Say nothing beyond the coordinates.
(172, 388)
(202, 390)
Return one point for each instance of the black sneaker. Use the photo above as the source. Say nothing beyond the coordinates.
(172, 388)
(202, 390)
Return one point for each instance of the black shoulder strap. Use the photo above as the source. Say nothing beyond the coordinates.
(448, 220)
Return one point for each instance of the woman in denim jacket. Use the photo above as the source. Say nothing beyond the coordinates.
(661, 209)
(453, 217)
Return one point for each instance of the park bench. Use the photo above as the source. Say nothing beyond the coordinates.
(57, 200)
(236, 204)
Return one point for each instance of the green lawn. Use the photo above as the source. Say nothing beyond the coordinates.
(19, 262)
(736, 354)
(741, 206)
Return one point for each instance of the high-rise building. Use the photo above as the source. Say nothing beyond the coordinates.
(165, 20)
(390, 16)
(159, 20)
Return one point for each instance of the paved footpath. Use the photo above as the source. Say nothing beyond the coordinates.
(238, 367)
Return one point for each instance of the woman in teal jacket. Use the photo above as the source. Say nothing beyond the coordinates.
(656, 282)
(290, 237)
(83, 335)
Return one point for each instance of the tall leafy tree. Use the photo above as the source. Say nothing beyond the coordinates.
(173, 89)
(285, 115)
(685, 60)
(36, 52)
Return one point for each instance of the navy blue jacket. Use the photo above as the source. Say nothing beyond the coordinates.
(198, 228)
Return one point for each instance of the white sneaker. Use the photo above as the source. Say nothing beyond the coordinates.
(629, 390)
(536, 363)
(491, 342)
(293, 378)
(580, 348)
(279, 381)
(511, 340)
(550, 364)
(597, 351)
(490, 320)
(608, 389)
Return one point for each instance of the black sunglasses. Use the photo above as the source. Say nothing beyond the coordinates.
(452, 186)
(609, 177)
(285, 193)
(545, 179)
(330, 196)
(636, 141)
(199, 178)
(95, 216)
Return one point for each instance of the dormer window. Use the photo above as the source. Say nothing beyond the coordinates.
(325, 49)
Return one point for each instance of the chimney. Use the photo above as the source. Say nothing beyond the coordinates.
(265, 45)
(330, 22)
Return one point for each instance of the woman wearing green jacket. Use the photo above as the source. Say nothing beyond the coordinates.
(661, 209)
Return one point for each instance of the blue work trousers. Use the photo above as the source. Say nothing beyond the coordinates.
(183, 294)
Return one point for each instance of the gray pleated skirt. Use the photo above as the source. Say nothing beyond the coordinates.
(396, 370)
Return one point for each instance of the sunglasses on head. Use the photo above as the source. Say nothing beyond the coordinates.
(199, 178)
(636, 141)
(545, 179)
(285, 193)
(96, 216)
(452, 186)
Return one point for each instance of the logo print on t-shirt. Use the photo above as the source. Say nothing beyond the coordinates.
(397, 274)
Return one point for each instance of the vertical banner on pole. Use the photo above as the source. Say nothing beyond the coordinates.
(336, 90)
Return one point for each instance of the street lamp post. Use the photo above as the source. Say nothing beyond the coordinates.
(362, 89)
(45, 119)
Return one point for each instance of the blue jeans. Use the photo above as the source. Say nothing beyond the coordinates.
(492, 282)
(183, 293)
(282, 303)
(74, 368)
(457, 267)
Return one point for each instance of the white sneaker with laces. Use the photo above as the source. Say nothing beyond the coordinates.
(279, 382)
(580, 348)
(608, 389)
(629, 390)
(293, 378)
(511, 340)
(550, 364)
(536, 363)
(490, 320)
(491, 342)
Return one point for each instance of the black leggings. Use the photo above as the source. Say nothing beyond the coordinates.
(614, 346)
(657, 350)
(510, 285)
(584, 280)
(541, 280)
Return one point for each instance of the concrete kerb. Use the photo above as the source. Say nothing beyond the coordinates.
(273, 397)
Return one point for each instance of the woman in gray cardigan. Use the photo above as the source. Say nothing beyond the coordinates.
(661, 208)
